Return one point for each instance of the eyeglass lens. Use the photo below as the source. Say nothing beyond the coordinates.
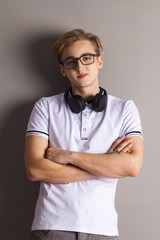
(85, 60)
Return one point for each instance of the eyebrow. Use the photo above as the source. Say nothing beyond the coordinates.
(80, 56)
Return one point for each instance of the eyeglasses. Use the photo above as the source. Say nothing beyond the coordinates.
(85, 59)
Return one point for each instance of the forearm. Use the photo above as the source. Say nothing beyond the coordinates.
(105, 165)
(39, 168)
(114, 165)
(48, 171)
(126, 163)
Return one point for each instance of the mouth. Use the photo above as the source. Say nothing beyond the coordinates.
(81, 76)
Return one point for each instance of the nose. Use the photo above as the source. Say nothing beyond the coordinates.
(79, 65)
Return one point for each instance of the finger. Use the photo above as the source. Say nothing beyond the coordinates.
(49, 153)
(127, 148)
(124, 144)
(128, 151)
(116, 143)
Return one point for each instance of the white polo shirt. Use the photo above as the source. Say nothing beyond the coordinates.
(85, 206)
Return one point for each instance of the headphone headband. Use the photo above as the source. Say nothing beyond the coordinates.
(77, 104)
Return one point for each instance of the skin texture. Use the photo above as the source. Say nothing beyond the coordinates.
(39, 168)
(40, 165)
(88, 86)
(45, 164)
(104, 165)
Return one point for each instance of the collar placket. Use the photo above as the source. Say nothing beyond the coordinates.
(85, 125)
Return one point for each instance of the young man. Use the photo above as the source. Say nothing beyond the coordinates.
(72, 148)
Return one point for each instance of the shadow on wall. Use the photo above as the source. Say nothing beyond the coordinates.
(18, 194)
(39, 59)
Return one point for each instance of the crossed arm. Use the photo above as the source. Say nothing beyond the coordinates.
(43, 164)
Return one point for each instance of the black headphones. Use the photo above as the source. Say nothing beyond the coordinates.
(77, 104)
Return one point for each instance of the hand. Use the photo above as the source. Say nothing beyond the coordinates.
(58, 155)
(122, 144)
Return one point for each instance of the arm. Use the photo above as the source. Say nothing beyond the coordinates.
(106, 165)
(39, 168)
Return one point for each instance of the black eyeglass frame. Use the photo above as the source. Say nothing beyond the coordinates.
(79, 58)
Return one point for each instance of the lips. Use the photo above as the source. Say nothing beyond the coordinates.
(82, 75)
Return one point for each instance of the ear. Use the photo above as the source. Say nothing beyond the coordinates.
(62, 70)
(100, 62)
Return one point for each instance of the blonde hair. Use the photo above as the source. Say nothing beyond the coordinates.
(75, 35)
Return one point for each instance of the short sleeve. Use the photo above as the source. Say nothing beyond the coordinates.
(131, 125)
(38, 121)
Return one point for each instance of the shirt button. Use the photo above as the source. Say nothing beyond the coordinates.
(84, 114)
(84, 129)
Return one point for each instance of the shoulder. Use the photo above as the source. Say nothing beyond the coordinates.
(121, 107)
(125, 112)
(48, 102)
(45, 105)
(119, 103)
(113, 100)
(116, 103)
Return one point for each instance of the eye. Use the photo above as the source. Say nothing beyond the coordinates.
(70, 62)
(87, 58)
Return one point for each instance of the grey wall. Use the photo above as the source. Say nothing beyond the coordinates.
(131, 35)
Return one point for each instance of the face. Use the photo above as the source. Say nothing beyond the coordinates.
(82, 76)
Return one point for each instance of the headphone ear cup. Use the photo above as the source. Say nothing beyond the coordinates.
(99, 102)
(77, 103)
